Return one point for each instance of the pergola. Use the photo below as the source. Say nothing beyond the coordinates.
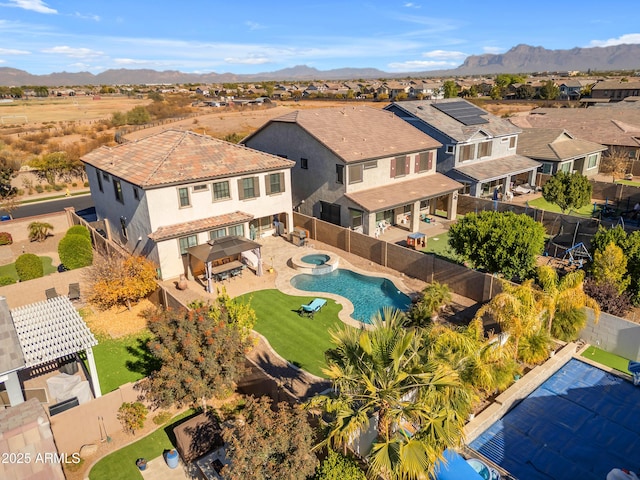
(220, 249)
(47, 331)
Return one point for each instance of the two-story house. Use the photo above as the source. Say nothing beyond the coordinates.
(558, 150)
(359, 167)
(167, 192)
(478, 148)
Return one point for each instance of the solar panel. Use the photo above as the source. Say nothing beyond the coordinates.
(463, 112)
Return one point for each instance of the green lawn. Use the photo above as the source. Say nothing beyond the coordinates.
(10, 269)
(610, 360)
(121, 464)
(122, 360)
(542, 204)
(629, 182)
(300, 340)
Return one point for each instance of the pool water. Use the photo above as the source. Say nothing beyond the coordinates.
(367, 294)
(316, 259)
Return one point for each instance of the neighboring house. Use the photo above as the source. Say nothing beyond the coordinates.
(615, 90)
(359, 167)
(429, 91)
(558, 150)
(478, 148)
(571, 88)
(176, 189)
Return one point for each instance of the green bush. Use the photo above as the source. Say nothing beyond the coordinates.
(39, 188)
(29, 266)
(338, 467)
(7, 280)
(79, 230)
(5, 238)
(75, 251)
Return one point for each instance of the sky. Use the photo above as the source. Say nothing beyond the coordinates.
(199, 36)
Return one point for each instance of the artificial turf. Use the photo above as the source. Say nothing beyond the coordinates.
(542, 204)
(300, 340)
(121, 464)
(9, 270)
(607, 359)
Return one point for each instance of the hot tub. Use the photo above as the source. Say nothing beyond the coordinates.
(316, 263)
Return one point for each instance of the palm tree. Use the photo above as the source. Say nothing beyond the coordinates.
(381, 379)
(434, 296)
(39, 231)
(565, 301)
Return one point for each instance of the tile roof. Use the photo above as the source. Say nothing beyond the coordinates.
(554, 144)
(25, 430)
(11, 357)
(202, 225)
(424, 111)
(176, 157)
(51, 329)
(404, 192)
(359, 133)
(607, 125)
(497, 167)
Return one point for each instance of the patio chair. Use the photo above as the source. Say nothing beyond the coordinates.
(51, 293)
(74, 291)
(312, 308)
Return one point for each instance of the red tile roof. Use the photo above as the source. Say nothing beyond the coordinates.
(176, 157)
(188, 228)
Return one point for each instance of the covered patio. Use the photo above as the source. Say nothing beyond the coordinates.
(224, 258)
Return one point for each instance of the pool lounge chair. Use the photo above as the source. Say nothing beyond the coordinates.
(51, 293)
(312, 308)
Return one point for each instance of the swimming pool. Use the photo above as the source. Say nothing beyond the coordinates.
(580, 423)
(367, 294)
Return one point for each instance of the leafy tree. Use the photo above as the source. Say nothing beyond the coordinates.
(79, 230)
(568, 190)
(503, 243)
(564, 302)
(7, 173)
(132, 416)
(39, 231)
(549, 91)
(16, 92)
(608, 297)
(525, 92)
(380, 373)
(41, 91)
(496, 92)
(117, 280)
(29, 266)
(268, 444)
(610, 266)
(202, 356)
(432, 298)
(450, 89)
(51, 166)
(75, 251)
(118, 119)
(138, 116)
(339, 467)
(615, 162)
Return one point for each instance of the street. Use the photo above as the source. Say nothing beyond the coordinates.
(41, 208)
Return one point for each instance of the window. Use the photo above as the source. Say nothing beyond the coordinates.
(183, 197)
(186, 242)
(512, 142)
(565, 167)
(400, 164)
(259, 225)
(592, 160)
(221, 191)
(372, 164)
(105, 175)
(425, 162)
(340, 174)
(218, 233)
(547, 168)
(100, 181)
(356, 218)
(136, 193)
(248, 188)
(355, 173)
(237, 230)
(117, 188)
(450, 148)
(304, 163)
(200, 188)
(123, 226)
(467, 152)
(274, 183)
(484, 149)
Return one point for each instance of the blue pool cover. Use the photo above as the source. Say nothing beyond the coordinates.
(579, 424)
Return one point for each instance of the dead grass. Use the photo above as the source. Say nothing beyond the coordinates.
(118, 321)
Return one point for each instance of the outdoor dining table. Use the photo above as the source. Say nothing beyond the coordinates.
(221, 272)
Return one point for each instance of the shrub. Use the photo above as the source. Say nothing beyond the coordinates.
(29, 266)
(5, 238)
(39, 188)
(339, 467)
(75, 251)
(79, 230)
(7, 280)
(86, 184)
(132, 416)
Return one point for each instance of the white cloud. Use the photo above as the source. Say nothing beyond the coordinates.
(73, 52)
(417, 65)
(627, 38)
(411, 5)
(131, 61)
(254, 25)
(12, 51)
(250, 60)
(85, 16)
(494, 50)
(445, 55)
(33, 5)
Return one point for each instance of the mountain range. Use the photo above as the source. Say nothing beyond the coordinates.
(519, 59)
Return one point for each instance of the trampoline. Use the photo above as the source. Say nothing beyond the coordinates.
(580, 423)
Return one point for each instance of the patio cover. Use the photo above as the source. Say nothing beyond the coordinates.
(494, 168)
